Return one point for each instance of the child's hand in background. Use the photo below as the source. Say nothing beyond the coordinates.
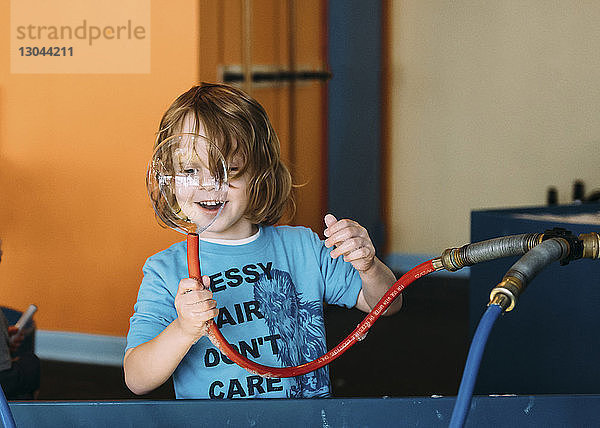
(350, 240)
(195, 306)
(15, 338)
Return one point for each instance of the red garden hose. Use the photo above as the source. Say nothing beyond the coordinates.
(358, 334)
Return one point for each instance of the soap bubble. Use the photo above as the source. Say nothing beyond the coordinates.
(187, 182)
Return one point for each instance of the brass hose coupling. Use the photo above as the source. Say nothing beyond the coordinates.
(506, 293)
(591, 245)
(451, 259)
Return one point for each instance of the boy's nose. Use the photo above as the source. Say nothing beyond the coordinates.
(207, 181)
(216, 186)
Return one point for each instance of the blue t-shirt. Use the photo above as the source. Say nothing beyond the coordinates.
(270, 295)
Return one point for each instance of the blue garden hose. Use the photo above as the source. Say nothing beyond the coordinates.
(5, 414)
(467, 383)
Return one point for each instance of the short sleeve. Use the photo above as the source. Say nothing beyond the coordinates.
(342, 281)
(155, 306)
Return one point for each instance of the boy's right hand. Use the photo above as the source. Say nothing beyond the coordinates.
(195, 306)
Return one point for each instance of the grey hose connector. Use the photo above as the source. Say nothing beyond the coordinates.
(454, 259)
(526, 268)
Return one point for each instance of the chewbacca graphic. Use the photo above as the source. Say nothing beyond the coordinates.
(300, 325)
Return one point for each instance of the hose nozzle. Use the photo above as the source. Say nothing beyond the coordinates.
(506, 293)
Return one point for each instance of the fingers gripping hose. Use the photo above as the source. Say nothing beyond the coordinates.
(358, 334)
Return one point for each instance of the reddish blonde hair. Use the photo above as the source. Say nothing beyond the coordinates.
(239, 126)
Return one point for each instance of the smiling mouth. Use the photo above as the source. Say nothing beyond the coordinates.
(211, 205)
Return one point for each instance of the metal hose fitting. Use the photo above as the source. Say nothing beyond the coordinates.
(591, 245)
(437, 263)
(501, 300)
(526, 268)
(508, 290)
(454, 259)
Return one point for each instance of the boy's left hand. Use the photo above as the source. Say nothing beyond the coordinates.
(350, 240)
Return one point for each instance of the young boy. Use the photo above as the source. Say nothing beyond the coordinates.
(264, 286)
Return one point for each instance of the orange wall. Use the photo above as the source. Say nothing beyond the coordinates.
(75, 220)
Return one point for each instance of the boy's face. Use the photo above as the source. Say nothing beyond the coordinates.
(199, 194)
(195, 193)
